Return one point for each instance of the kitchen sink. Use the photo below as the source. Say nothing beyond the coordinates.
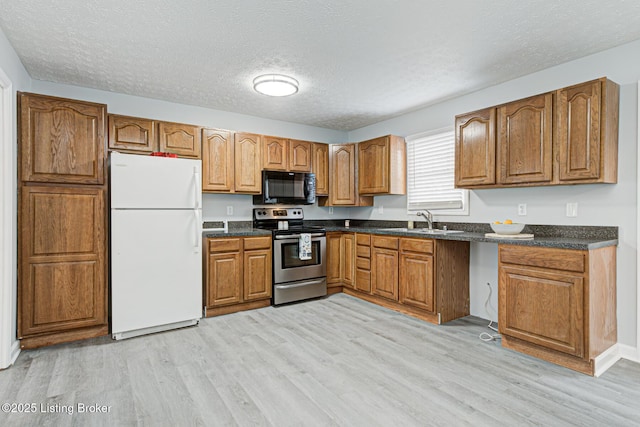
(424, 230)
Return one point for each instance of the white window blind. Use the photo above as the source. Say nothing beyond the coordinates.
(430, 173)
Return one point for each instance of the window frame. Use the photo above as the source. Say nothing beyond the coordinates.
(412, 139)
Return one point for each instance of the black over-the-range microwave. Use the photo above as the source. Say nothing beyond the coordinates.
(286, 188)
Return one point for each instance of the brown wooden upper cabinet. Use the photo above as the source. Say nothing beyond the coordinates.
(320, 166)
(62, 140)
(524, 140)
(299, 156)
(587, 132)
(275, 153)
(180, 139)
(132, 134)
(217, 160)
(343, 189)
(248, 163)
(286, 154)
(382, 166)
(476, 148)
(569, 136)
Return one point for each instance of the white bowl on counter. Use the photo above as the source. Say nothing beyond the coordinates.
(507, 228)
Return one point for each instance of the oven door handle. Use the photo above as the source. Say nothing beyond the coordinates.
(297, 236)
(300, 284)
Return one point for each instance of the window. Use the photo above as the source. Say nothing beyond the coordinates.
(430, 174)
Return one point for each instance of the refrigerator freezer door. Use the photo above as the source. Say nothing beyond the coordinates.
(156, 268)
(147, 182)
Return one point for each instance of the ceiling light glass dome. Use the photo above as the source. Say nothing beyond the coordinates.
(275, 85)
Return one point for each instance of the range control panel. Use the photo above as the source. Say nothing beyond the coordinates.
(278, 213)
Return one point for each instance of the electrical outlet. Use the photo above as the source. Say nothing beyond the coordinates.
(380, 209)
(572, 209)
(522, 209)
(229, 210)
(331, 210)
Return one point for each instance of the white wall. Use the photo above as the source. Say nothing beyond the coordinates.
(601, 204)
(11, 68)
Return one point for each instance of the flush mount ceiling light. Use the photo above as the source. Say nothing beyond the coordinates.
(275, 85)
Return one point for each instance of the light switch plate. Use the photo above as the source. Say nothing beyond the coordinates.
(229, 210)
(331, 210)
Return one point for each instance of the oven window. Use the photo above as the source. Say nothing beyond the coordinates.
(291, 259)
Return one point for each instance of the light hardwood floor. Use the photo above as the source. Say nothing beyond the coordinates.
(334, 361)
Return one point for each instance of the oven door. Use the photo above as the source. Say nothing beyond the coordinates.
(287, 265)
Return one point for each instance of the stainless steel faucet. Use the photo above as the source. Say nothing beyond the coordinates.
(428, 216)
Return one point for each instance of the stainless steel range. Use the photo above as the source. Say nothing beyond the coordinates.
(295, 276)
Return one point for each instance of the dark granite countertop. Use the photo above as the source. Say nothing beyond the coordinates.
(548, 242)
(549, 236)
(235, 229)
(235, 232)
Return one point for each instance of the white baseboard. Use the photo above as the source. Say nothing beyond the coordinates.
(15, 351)
(606, 360)
(629, 353)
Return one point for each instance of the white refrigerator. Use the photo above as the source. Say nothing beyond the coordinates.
(156, 244)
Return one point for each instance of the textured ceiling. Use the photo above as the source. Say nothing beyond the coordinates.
(358, 62)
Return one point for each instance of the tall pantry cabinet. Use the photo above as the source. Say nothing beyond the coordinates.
(62, 221)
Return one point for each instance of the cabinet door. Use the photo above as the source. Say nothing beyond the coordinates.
(384, 273)
(61, 140)
(248, 163)
(299, 156)
(257, 274)
(275, 153)
(578, 132)
(542, 307)
(524, 140)
(348, 271)
(183, 140)
(416, 281)
(224, 279)
(476, 148)
(334, 259)
(217, 160)
(373, 166)
(321, 168)
(132, 134)
(62, 271)
(343, 175)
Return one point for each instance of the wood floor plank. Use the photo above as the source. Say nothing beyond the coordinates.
(332, 361)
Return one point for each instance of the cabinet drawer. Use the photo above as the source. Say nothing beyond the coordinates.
(424, 246)
(385, 242)
(251, 243)
(363, 251)
(557, 259)
(363, 280)
(363, 239)
(224, 245)
(363, 263)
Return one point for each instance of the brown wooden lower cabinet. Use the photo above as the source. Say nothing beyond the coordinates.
(384, 266)
(340, 261)
(424, 278)
(237, 274)
(558, 304)
(62, 289)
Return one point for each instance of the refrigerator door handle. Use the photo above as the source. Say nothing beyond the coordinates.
(198, 237)
(198, 192)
